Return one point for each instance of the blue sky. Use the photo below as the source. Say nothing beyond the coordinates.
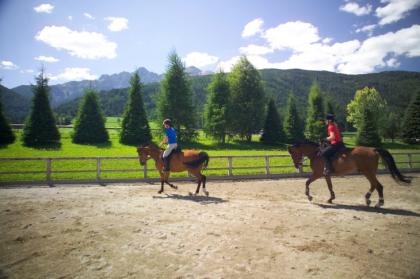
(83, 39)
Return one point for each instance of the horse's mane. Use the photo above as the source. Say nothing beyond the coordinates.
(306, 142)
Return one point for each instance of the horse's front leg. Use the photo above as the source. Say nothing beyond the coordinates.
(330, 187)
(166, 179)
(308, 182)
(162, 182)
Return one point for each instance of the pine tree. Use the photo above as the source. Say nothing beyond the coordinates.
(368, 134)
(315, 129)
(330, 107)
(89, 127)
(175, 99)
(135, 127)
(247, 99)
(293, 126)
(40, 129)
(6, 133)
(411, 124)
(273, 132)
(217, 107)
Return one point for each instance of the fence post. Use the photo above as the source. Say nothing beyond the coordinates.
(267, 165)
(145, 170)
(98, 168)
(48, 172)
(410, 165)
(230, 173)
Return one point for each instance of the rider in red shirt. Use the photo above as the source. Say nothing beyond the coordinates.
(336, 142)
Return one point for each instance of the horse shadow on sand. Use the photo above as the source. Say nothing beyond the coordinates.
(192, 198)
(364, 208)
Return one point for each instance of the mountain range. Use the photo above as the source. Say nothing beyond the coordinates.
(396, 87)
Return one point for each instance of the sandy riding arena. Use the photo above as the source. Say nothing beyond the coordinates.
(251, 229)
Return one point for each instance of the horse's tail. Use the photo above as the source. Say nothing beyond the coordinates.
(203, 158)
(392, 167)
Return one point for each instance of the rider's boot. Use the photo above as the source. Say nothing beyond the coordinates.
(166, 164)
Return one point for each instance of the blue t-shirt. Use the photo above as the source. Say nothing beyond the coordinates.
(171, 134)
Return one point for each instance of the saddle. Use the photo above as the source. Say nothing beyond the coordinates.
(175, 151)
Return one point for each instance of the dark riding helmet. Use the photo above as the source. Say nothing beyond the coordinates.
(330, 116)
(167, 122)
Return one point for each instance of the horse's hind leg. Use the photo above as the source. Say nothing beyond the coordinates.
(380, 190)
(330, 187)
(374, 184)
(204, 179)
(308, 182)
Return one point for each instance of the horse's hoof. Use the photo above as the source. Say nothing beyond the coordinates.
(207, 193)
(330, 201)
(368, 202)
(160, 192)
(190, 194)
(310, 198)
(379, 204)
(175, 187)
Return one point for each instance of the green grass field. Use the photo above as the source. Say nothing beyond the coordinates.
(231, 148)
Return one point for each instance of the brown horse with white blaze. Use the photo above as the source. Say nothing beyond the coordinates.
(360, 158)
(188, 160)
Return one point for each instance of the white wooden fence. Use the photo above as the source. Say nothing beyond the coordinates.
(268, 170)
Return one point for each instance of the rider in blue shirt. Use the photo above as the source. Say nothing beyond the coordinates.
(169, 139)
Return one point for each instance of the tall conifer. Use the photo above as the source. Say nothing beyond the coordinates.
(315, 129)
(293, 126)
(273, 132)
(135, 126)
(367, 133)
(411, 126)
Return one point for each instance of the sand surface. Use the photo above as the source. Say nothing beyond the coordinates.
(250, 229)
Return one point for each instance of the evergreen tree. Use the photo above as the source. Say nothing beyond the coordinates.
(367, 133)
(315, 129)
(217, 107)
(330, 107)
(293, 127)
(247, 99)
(273, 132)
(393, 126)
(6, 133)
(89, 127)
(135, 127)
(40, 129)
(175, 99)
(411, 124)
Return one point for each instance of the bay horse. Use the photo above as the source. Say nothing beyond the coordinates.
(189, 160)
(359, 158)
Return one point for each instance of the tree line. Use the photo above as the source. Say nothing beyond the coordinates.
(236, 105)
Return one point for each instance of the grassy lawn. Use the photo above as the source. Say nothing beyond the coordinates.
(232, 147)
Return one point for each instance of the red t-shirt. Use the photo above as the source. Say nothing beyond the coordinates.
(332, 128)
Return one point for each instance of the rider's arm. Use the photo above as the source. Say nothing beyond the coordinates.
(165, 140)
(331, 137)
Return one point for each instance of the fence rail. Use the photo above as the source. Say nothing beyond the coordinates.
(266, 170)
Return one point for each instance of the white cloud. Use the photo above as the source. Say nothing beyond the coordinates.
(252, 28)
(86, 45)
(321, 57)
(117, 23)
(393, 63)
(74, 74)
(295, 35)
(354, 8)
(8, 65)
(373, 51)
(255, 50)
(327, 40)
(44, 8)
(395, 10)
(89, 16)
(200, 59)
(70, 17)
(226, 66)
(367, 29)
(27, 71)
(48, 59)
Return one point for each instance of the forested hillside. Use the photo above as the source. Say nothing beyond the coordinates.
(396, 87)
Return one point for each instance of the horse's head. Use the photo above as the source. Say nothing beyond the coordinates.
(144, 152)
(301, 149)
(297, 155)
